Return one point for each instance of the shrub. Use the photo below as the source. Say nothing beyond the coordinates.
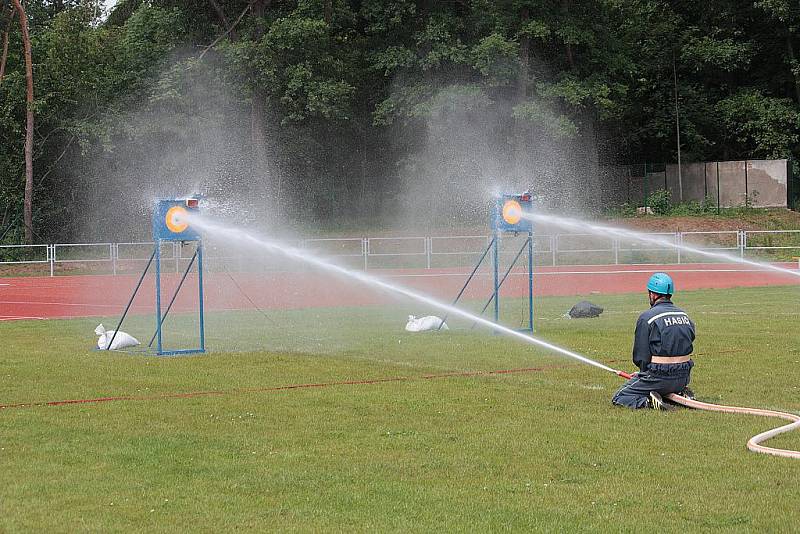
(660, 201)
(691, 207)
(626, 210)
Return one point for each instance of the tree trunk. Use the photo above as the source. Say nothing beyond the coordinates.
(522, 95)
(792, 62)
(328, 11)
(257, 121)
(364, 148)
(570, 57)
(224, 20)
(28, 202)
(258, 110)
(5, 45)
(524, 61)
(568, 46)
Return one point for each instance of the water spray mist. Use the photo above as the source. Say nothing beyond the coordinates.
(605, 231)
(242, 236)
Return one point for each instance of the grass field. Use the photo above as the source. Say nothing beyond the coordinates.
(536, 450)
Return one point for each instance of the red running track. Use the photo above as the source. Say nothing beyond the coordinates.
(84, 296)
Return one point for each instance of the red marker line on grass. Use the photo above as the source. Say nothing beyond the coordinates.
(192, 394)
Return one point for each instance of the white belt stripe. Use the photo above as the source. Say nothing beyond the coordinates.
(650, 321)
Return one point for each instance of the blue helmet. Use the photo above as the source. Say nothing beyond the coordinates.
(661, 283)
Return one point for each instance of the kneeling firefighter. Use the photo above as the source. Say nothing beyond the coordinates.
(661, 350)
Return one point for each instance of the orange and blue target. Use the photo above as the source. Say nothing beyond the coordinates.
(171, 220)
(176, 219)
(510, 213)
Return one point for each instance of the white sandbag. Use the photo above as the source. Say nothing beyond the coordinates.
(421, 324)
(121, 340)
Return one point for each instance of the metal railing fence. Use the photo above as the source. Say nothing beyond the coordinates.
(423, 252)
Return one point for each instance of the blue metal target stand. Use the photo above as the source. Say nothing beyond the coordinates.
(507, 217)
(170, 225)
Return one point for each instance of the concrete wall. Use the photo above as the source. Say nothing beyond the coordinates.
(732, 184)
(770, 180)
(710, 175)
(724, 183)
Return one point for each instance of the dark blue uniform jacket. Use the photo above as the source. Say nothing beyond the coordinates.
(663, 330)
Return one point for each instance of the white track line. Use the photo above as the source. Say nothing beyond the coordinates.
(37, 303)
(558, 273)
(19, 318)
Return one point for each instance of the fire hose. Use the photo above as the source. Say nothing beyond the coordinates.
(754, 444)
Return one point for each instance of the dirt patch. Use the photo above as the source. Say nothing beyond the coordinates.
(778, 219)
(757, 219)
(686, 224)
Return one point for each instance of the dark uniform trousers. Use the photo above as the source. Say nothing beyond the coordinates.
(663, 378)
(666, 331)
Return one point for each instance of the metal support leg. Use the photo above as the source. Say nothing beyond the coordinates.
(530, 281)
(469, 278)
(503, 279)
(496, 269)
(200, 295)
(136, 290)
(158, 298)
(174, 296)
(428, 247)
